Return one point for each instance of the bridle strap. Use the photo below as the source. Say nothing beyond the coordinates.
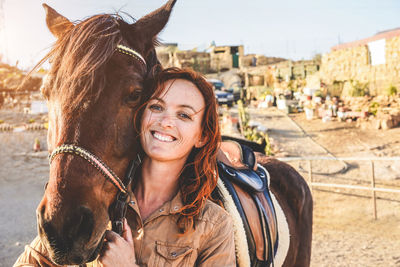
(130, 52)
(120, 205)
(92, 159)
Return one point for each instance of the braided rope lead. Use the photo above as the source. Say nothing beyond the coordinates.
(93, 160)
(130, 52)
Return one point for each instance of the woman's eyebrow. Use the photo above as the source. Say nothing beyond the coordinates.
(189, 107)
(157, 99)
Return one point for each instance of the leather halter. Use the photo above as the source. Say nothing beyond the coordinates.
(92, 159)
(130, 52)
(120, 205)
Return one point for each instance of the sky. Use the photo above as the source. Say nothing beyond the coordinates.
(293, 29)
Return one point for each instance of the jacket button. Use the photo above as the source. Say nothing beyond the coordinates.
(173, 254)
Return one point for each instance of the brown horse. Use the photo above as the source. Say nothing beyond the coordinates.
(99, 67)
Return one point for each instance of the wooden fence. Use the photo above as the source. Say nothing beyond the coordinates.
(371, 188)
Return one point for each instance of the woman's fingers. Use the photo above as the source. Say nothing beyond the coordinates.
(111, 236)
(127, 233)
(117, 250)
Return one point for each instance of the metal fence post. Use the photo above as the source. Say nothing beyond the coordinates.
(373, 187)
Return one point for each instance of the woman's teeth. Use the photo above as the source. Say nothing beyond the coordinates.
(162, 137)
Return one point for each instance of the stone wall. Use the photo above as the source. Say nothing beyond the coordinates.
(253, 60)
(198, 61)
(351, 66)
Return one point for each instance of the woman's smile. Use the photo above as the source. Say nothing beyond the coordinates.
(162, 137)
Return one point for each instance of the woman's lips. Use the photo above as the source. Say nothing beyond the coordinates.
(162, 137)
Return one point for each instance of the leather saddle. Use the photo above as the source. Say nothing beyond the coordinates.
(248, 185)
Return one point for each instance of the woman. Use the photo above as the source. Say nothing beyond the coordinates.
(175, 222)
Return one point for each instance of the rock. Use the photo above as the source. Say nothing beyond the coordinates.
(386, 124)
(376, 124)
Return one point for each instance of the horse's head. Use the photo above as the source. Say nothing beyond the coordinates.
(92, 89)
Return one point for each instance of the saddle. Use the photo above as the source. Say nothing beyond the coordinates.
(248, 185)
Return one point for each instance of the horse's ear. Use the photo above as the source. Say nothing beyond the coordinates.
(154, 22)
(56, 23)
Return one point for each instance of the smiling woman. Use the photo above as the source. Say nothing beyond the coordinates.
(178, 123)
(179, 136)
(171, 124)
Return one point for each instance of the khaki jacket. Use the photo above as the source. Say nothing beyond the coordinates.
(158, 242)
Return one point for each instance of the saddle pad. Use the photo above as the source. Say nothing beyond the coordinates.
(256, 225)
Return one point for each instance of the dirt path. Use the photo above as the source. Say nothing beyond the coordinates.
(292, 140)
(344, 231)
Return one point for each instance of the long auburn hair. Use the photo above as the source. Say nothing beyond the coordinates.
(199, 175)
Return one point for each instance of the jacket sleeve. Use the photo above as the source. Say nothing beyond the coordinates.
(219, 247)
(35, 254)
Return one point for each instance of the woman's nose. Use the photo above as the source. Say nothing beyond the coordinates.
(167, 120)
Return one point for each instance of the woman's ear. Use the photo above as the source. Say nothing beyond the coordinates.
(201, 142)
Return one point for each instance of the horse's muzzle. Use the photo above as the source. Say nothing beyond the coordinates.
(67, 237)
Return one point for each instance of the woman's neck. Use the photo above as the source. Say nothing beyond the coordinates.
(158, 184)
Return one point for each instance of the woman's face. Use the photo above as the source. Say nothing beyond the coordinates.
(171, 123)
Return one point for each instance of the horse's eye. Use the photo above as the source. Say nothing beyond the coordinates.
(133, 97)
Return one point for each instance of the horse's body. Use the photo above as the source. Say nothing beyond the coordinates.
(93, 91)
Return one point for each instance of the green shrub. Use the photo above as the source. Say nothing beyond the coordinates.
(391, 90)
(250, 133)
(373, 108)
(359, 89)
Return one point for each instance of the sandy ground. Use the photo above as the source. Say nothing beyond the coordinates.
(344, 230)
(22, 178)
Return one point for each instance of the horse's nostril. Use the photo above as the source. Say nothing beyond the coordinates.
(77, 260)
(40, 214)
(84, 224)
(42, 210)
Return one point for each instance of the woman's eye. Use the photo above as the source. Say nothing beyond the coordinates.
(184, 116)
(155, 108)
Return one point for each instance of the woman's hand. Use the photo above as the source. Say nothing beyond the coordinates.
(117, 250)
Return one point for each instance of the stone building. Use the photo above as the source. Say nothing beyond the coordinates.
(370, 65)
(226, 57)
(280, 71)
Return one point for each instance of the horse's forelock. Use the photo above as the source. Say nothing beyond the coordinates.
(79, 59)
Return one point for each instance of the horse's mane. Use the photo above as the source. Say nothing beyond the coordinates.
(78, 60)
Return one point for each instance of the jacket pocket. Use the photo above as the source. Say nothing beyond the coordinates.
(172, 255)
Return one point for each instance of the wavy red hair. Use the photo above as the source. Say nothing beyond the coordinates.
(199, 175)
